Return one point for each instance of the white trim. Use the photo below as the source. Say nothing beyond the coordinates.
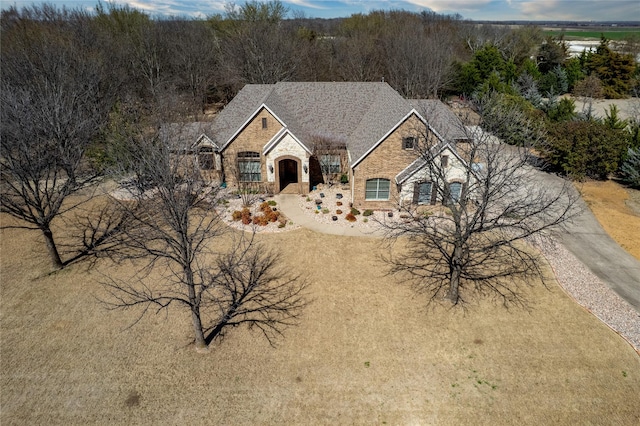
(443, 147)
(278, 137)
(204, 140)
(251, 117)
(393, 129)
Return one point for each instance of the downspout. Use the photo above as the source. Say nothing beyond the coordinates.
(353, 179)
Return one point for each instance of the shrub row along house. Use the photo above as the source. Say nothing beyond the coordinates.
(292, 136)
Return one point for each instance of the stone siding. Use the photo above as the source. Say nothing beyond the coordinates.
(455, 172)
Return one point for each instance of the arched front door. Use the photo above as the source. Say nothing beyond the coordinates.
(287, 173)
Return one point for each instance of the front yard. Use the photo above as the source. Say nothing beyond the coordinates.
(366, 352)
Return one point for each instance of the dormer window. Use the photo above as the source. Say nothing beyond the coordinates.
(264, 122)
(408, 142)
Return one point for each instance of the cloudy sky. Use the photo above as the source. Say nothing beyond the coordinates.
(581, 10)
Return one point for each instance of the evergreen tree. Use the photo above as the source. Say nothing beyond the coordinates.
(630, 170)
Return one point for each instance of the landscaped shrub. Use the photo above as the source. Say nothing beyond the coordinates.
(355, 211)
(367, 212)
(244, 215)
(338, 203)
(350, 217)
(272, 202)
(261, 220)
(344, 178)
(338, 211)
(325, 211)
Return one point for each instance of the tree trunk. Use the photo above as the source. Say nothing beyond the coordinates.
(456, 270)
(200, 342)
(454, 284)
(51, 247)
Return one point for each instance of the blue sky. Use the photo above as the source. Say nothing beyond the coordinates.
(581, 10)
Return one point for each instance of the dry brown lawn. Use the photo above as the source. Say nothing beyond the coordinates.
(366, 352)
(618, 210)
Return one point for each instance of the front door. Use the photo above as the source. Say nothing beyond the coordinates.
(288, 172)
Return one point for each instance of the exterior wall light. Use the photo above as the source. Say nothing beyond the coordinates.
(306, 169)
(271, 168)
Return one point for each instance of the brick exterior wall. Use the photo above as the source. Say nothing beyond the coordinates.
(252, 138)
(385, 161)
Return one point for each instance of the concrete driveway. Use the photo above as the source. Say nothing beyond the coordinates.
(588, 241)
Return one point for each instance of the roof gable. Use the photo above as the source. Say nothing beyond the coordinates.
(420, 162)
(226, 143)
(275, 140)
(358, 114)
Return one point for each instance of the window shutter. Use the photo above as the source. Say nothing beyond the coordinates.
(434, 194)
(416, 192)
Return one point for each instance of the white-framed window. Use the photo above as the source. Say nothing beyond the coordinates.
(330, 163)
(249, 166)
(408, 142)
(205, 158)
(423, 193)
(377, 189)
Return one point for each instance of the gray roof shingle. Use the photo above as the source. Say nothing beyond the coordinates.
(182, 136)
(441, 118)
(358, 114)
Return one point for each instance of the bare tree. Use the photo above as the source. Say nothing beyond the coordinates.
(330, 153)
(53, 102)
(492, 204)
(193, 59)
(177, 235)
(257, 47)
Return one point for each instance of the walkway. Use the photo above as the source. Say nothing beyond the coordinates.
(290, 206)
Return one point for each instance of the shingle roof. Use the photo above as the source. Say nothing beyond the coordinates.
(182, 136)
(441, 118)
(238, 111)
(358, 114)
(355, 113)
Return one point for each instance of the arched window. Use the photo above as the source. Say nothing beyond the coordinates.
(205, 158)
(249, 166)
(377, 189)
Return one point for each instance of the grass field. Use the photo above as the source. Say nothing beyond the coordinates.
(618, 210)
(609, 34)
(367, 352)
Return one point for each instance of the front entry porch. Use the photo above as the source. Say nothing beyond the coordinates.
(288, 174)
